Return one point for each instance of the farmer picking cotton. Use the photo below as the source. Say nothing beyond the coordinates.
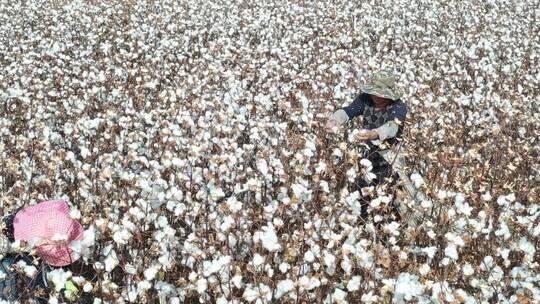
(50, 229)
(383, 114)
(46, 227)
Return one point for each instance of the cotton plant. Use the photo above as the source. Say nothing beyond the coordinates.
(193, 153)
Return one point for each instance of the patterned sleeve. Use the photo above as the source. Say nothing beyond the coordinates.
(398, 111)
(356, 107)
(351, 111)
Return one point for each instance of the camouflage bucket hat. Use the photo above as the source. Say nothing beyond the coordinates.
(382, 84)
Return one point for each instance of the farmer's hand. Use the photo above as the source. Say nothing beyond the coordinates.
(331, 126)
(364, 135)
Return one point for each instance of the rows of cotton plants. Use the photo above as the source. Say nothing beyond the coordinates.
(188, 138)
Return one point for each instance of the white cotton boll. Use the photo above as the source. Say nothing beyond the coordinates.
(407, 287)
(467, 269)
(222, 300)
(150, 273)
(97, 301)
(330, 262)
(451, 252)
(263, 294)
(137, 213)
(177, 162)
(68, 129)
(192, 276)
(442, 289)
(262, 166)
(442, 194)
(337, 92)
(88, 241)
(216, 193)
(202, 285)
(142, 286)
(309, 257)
(352, 198)
(504, 253)
(369, 298)
(354, 283)
(522, 132)
(459, 198)
(283, 287)
(346, 265)
(84, 152)
(75, 214)
(29, 270)
(165, 260)
(250, 294)
(130, 269)
(465, 209)
(337, 152)
(321, 167)
(268, 238)
(487, 263)
(527, 247)
(424, 269)
(310, 145)
(92, 123)
(227, 223)
(496, 274)
(233, 204)
(505, 200)
(99, 266)
(536, 231)
(284, 267)
(126, 223)
(369, 176)
(133, 293)
(454, 239)
(52, 300)
(237, 281)
(162, 222)
(122, 236)
(430, 251)
(58, 277)
(258, 260)
(339, 296)
(385, 199)
(215, 266)
(301, 192)
(324, 186)
(15, 92)
(503, 231)
(392, 228)
(417, 180)
(366, 163)
(351, 174)
(87, 287)
(278, 222)
(426, 204)
(111, 261)
(375, 203)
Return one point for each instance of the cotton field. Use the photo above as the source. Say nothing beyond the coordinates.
(188, 138)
